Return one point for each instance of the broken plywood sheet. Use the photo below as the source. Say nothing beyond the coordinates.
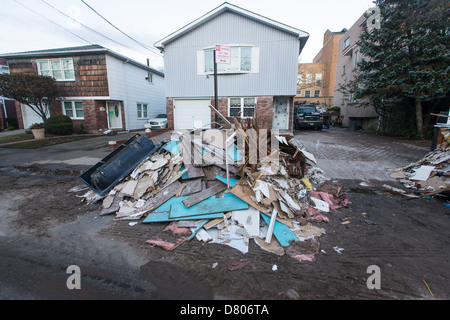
(246, 194)
(272, 247)
(205, 194)
(161, 214)
(192, 186)
(208, 206)
(158, 199)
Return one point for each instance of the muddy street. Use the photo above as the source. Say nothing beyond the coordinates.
(44, 230)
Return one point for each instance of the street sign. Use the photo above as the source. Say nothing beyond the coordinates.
(223, 54)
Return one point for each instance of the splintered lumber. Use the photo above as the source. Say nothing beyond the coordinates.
(192, 186)
(225, 204)
(245, 193)
(198, 197)
(159, 198)
(221, 116)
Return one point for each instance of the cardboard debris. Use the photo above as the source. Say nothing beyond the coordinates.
(276, 201)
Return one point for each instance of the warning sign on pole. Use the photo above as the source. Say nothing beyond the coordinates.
(223, 54)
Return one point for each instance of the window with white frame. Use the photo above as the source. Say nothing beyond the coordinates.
(59, 69)
(316, 93)
(245, 106)
(73, 109)
(307, 93)
(142, 111)
(241, 60)
(299, 79)
(244, 59)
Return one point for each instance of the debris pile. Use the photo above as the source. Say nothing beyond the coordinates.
(222, 197)
(427, 177)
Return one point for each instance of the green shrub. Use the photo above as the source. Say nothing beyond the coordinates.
(59, 124)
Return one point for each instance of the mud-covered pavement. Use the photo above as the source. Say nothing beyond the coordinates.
(44, 229)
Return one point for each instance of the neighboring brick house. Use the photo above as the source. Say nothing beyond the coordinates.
(316, 80)
(260, 79)
(100, 89)
(355, 114)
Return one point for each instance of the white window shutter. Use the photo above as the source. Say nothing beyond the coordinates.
(200, 62)
(255, 60)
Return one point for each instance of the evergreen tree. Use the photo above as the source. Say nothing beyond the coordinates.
(407, 55)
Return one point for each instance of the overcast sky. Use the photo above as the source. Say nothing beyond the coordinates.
(35, 25)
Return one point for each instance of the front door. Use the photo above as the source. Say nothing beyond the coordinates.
(280, 113)
(114, 115)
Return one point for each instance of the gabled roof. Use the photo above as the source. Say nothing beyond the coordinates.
(302, 35)
(82, 50)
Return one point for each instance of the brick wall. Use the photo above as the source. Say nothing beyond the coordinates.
(169, 106)
(264, 111)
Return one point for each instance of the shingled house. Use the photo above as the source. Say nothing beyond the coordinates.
(100, 89)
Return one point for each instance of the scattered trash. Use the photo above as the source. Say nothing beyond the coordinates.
(427, 177)
(274, 267)
(338, 250)
(219, 195)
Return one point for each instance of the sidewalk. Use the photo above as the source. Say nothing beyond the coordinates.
(77, 156)
(11, 133)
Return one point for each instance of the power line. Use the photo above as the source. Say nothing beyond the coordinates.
(138, 42)
(52, 22)
(92, 30)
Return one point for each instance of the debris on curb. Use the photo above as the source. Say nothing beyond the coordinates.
(274, 202)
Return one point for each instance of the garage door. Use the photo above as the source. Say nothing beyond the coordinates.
(186, 112)
(29, 116)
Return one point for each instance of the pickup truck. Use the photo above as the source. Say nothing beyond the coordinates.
(308, 117)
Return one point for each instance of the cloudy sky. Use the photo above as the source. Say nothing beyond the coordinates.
(132, 27)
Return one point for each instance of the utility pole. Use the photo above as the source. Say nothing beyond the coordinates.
(215, 81)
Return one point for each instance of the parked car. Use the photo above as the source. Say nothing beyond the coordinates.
(308, 117)
(158, 122)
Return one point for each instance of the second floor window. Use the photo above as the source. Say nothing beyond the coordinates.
(316, 93)
(307, 93)
(59, 69)
(241, 60)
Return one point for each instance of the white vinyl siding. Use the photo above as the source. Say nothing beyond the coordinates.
(59, 69)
